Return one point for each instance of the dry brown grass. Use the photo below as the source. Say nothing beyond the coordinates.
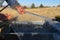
(48, 12)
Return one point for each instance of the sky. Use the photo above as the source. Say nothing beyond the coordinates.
(38, 2)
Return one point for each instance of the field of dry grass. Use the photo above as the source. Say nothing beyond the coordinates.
(48, 12)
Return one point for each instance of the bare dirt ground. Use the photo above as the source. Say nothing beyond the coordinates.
(48, 12)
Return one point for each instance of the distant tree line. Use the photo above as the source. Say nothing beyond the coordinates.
(33, 6)
(40, 6)
(58, 6)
